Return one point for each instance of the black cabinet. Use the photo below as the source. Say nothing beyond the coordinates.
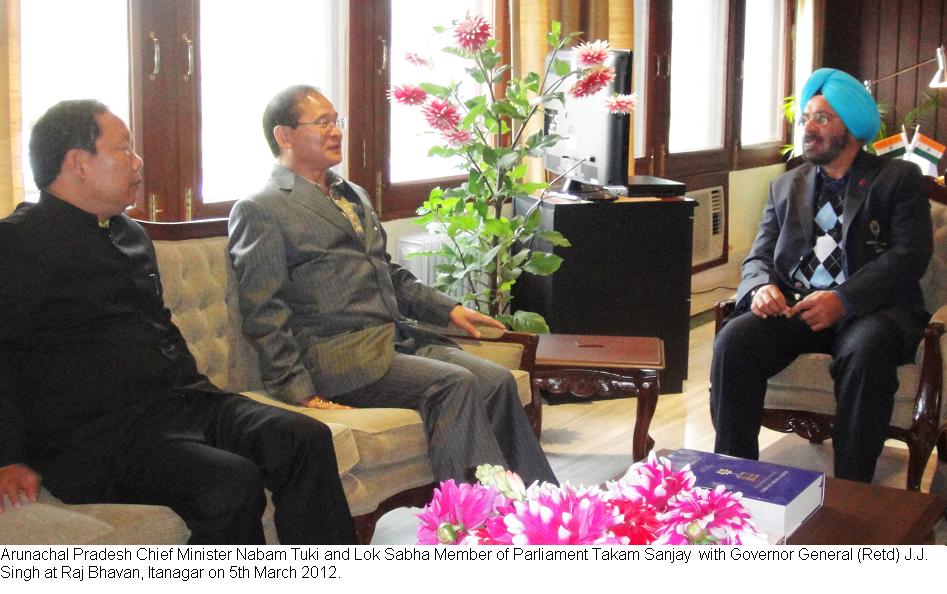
(627, 273)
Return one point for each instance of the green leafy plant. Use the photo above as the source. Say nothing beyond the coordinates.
(484, 250)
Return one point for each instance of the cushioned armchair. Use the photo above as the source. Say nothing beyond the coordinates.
(800, 399)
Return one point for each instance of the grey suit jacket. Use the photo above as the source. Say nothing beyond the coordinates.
(321, 306)
(886, 235)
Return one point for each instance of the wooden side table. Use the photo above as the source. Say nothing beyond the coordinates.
(575, 367)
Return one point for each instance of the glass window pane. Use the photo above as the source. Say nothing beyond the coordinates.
(698, 67)
(763, 72)
(96, 42)
(639, 75)
(247, 56)
(412, 31)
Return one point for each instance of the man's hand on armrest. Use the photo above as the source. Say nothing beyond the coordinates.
(466, 318)
(18, 481)
(317, 402)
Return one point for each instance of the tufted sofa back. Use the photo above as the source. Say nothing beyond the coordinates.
(934, 283)
(200, 290)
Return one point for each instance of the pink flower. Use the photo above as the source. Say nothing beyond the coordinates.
(472, 34)
(417, 60)
(441, 115)
(593, 81)
(621, 103)
(457, 138)
(408, 94)
(654, 481)
(636, 522)
(591, 53)
(454, 511)
(703, 516)
(565, 515)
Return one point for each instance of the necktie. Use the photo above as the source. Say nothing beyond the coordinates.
(824, 267)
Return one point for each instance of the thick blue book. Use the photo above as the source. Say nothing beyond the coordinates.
(780, 498)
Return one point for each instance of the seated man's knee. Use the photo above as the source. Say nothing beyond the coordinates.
(234, 487)
(303, 430)
(741, 334)
(874, 342)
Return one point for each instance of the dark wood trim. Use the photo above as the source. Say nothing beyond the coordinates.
(367, 31)
(178, 231)
(402, 200)
(935, 191)
(365, 523)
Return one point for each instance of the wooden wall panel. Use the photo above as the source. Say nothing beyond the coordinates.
(906, 94)
(891, 35)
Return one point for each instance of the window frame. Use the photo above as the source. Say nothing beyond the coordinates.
(657, 160)
(166, 119)
(370, 145)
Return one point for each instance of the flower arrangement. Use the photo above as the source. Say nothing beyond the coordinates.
(651, 504)
(485, 251)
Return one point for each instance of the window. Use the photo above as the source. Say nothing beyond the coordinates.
(716, 75)
(699, 66)
(47, 78)
(246, 57)
(387, 154)
(412, 30)
(191, 78)
(764, 62)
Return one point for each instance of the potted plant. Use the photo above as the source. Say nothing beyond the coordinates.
(485, 250)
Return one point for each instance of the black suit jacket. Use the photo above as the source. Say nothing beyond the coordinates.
(886, 236)
(87, 348)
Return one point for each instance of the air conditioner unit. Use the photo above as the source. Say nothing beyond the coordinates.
(422, 267)
(709, 225)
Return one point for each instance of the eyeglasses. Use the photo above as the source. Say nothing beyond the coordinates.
(324, 123)
(820, 117)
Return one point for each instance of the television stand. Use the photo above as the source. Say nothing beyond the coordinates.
(583, 191)
(628, 272)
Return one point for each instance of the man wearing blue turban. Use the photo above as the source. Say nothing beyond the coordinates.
(842, 244)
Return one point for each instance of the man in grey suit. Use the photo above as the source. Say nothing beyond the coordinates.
(834, 269)
(336, 323)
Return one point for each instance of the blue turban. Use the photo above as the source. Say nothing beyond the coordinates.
(848, 97)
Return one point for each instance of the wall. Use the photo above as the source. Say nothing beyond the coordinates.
(748, 189)
(882, 37)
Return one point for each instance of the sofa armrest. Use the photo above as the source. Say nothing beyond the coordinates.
(513, 350)
(722, 311)
(928, 405)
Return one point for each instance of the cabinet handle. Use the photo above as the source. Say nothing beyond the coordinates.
(188, 204)
(190, 56)
(153, 209)
(156, 68)
(384, 55)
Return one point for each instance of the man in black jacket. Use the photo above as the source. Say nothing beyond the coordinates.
(834, 269)
(99, 394)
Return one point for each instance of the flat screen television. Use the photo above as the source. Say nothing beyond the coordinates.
(593, 156)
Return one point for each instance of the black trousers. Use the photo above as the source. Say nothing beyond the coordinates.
(209, 457)
(865, 354)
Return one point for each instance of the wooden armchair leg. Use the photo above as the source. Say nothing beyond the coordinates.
(917, 460)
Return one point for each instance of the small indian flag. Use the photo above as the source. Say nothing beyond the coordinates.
(928, 148)
(893, 145)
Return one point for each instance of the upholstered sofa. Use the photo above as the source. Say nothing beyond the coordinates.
(381, 453)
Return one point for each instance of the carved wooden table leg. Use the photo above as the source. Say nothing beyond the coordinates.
(593, 384)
